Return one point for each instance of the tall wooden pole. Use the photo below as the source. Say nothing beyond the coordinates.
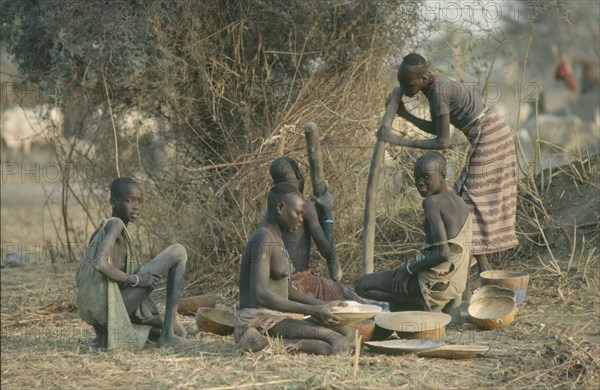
(368, 243)
(315, 159)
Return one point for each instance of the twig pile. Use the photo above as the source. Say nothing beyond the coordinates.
(575, 359)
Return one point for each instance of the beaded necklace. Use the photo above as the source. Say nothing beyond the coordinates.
(429, 85)
(286, 255)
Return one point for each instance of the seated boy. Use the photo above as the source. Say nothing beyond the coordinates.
(266, 296)
(438, 276)
(114, 288)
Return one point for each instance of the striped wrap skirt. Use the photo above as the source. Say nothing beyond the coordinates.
(488, 183)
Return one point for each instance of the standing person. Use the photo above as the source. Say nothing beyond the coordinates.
(488, 181)
(298, 242)
(267, 298)
(113, 288)
(437, 279)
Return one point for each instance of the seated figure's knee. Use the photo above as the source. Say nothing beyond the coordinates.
(178, 251)
(340, 346)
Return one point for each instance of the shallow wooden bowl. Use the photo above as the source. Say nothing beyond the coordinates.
(218, 320)
(516, 281)
(492, 291)
(350, 314)
(492, 312)
(365, 329)
(189, 306)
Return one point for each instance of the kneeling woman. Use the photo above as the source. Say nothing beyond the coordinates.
(266, 296)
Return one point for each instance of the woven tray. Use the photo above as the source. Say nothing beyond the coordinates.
(400, 347)
(412, 321)
(456, 351)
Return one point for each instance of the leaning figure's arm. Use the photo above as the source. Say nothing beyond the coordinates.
(441, 124)
(422, 124)
(324, 237)
(425, 125)
(113, 231)
(437, 233)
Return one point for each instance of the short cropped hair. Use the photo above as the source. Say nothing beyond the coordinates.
(117, 186)
(414, 59)
(278, 192)
(436, 157)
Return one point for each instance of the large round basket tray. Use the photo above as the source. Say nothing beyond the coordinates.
(420, 325)
(456, 351)
(400, 347)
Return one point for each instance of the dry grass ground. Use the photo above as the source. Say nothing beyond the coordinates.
(553, 343)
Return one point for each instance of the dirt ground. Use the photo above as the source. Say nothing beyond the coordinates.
(554, 341)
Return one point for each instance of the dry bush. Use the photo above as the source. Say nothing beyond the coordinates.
(233, 108)
(235, 81)
(235, 92)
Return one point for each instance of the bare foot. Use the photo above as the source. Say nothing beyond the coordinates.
(179, 330)
(95, 342)
(466, 295)
(101, 335)
(251, 341)
(174, 342)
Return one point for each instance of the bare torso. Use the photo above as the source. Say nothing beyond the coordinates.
(454, 213)
(118, 253)
(298, 245)
(263, 247)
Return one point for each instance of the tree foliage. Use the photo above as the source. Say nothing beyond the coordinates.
(230, 70)
(227, 75)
